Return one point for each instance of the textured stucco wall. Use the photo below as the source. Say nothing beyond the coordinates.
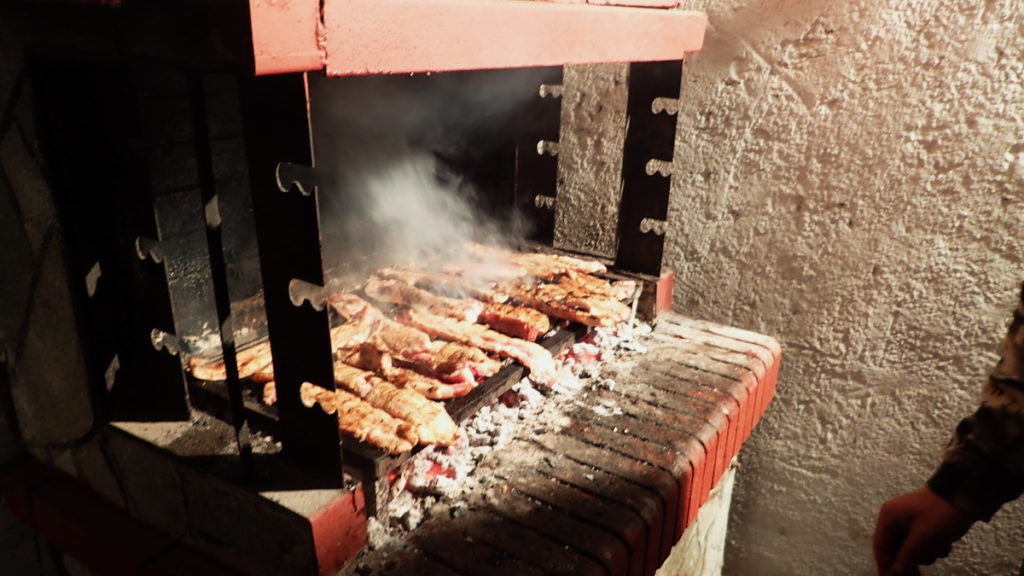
(850, 179)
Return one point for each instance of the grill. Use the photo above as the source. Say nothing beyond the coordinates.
(199, 155)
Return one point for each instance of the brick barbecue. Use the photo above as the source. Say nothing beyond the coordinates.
(165, 128)
(613, 489)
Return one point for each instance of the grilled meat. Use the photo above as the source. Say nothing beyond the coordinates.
(471, 357)
(402, 294)
(517, 321)
(453, 363)
(477, 271)
(531, 355)
(571, 303)
(619, 290)
(384, 333)
(445, 284)
(536, 264)
(249, 361)
(366, 357)
(358, 418)
(430, 421)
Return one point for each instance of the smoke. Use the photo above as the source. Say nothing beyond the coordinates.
(393, 152)
(403, 209)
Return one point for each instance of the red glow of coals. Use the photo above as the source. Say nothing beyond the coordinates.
(436, 470)
(510, 399)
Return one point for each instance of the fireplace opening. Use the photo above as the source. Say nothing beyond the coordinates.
(210, 216)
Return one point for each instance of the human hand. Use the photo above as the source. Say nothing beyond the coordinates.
(916, 529)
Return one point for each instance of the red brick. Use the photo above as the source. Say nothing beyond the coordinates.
(685, 488)
(570, 501)
(519, 541)
(696, 488)
(663, 292)
(578, 535)
(98, 535)
(339, 531)
(17, 480)
(657, 481)
(182, 560)
(595, 479)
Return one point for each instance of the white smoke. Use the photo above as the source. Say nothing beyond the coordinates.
(389, 194)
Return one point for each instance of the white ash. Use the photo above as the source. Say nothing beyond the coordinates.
(407, 511)
(439, 480)
(605, 408)
(207, 343)
(376, 533)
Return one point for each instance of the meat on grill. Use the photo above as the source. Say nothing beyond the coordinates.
(361, 420)
(249, 361)
(384, 333)
(619, 290)
(570, 302)
(446, 284)
(389, 370)
(536, 264)
(454, 363)
(430, 387)
(402, 294)
(517, 321)
(481, 271)
(366, 357)
(530, 354)
(431, 422)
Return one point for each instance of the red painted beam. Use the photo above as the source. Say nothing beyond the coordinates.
(352, 37)
(284, 35)
(645, 3)
(400, 36)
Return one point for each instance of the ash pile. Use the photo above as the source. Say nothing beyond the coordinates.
(446, 481)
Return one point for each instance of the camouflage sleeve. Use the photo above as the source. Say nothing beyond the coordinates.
(983, 466)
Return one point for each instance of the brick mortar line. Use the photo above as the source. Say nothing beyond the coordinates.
(697, 383)
(615, 474)
(678, 426)
(437, 558)
(7, 405)
(715, 346)
(588, 554)
(50, 241)
(650, 465)
(85, 490)
(7, 117)
(37, 273)
(557, 545)
(595, 494)
(588, 490)
(570, 510)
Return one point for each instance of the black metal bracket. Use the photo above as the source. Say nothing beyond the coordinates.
(646, 164)
(536, 158)
(276, 125)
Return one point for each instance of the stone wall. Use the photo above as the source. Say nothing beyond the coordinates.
(47, 409)
(849, 179)
(30, 259)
